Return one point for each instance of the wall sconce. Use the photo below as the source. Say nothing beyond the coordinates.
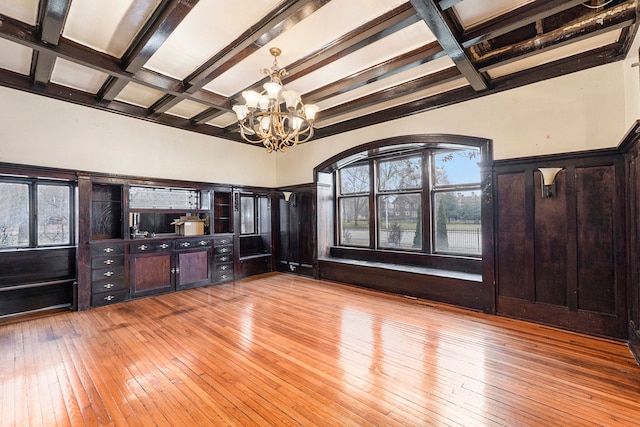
(548, 181)
(287, 195)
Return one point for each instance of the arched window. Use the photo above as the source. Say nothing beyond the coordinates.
(417, 193)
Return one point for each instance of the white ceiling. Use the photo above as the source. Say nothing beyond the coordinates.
(219, 29)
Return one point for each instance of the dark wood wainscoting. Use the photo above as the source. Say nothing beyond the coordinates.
(562, 260)
(631, 146)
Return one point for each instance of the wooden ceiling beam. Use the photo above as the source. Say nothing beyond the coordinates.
(158, 28)
(288, 14)
(517, 18)
(377, 72)
(403, 89)
(52, 15)
(435, 20)
(617, 17)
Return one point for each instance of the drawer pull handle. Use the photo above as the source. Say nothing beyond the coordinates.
(143, 247)
(224, 267)
(224, 258)
(202, 242)
(108, 250)
(109, 297)
(109, 261)
(108, 274)
(164, 246)
(224, 241)
(108, 285)
(224, 276)
(185, 244)
(223, 250)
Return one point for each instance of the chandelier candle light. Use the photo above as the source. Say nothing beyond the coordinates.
(262, 120)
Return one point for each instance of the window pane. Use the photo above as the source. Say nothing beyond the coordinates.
(400, 174)
(354, 179)
(53, 215)
(354, 221)
(457, 222)
(399, 221)
(248, 215)
(457, 167)
(14, 215)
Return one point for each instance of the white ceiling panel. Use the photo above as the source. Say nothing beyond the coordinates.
(330, 22)
(139, 95)
(22, 10)
(76, 76)
(555, 54)
(211, 25)
(474, 12)
(15, 57)
(223, 120)
(107, 26)
(187, 109)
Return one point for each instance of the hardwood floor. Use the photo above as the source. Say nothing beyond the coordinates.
(286, 350)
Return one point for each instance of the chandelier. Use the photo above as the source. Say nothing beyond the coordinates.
(262, 120)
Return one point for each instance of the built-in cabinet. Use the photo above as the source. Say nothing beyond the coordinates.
(254, 232)
(139, 234)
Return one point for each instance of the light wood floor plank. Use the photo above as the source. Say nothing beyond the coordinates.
(287, 350)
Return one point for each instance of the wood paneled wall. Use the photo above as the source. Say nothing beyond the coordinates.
(562, 260)
(631, 146)
(296, 247)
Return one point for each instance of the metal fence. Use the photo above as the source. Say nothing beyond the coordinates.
(467, 241)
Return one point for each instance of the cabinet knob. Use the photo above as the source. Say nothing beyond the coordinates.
(224, 250)
(224, 258)
(224, 276)
(108, 250)
(143, 247)
(108, 285)
(108, 274)
(109, 297)
(109, 261)
(202, 242)
(185, 244)
(164, 246)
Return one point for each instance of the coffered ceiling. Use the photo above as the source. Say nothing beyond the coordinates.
(184, 63)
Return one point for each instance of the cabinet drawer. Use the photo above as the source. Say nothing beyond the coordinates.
(223, 277)
(107, 261)
(108, 298)
(107, 273)
(192, 243)
(100, 286)
(224, 250)
(107, 249)
(150, 246)
(222, 258)
(223, 268)
(221, 241)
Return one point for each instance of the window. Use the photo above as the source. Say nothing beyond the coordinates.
(36, 213)
(424, 200)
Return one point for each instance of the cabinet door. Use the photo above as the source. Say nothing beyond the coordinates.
(193, 268)
(150, 274)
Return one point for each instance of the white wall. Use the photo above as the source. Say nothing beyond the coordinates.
(576, 112)
(41, 131)
(632, 83)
